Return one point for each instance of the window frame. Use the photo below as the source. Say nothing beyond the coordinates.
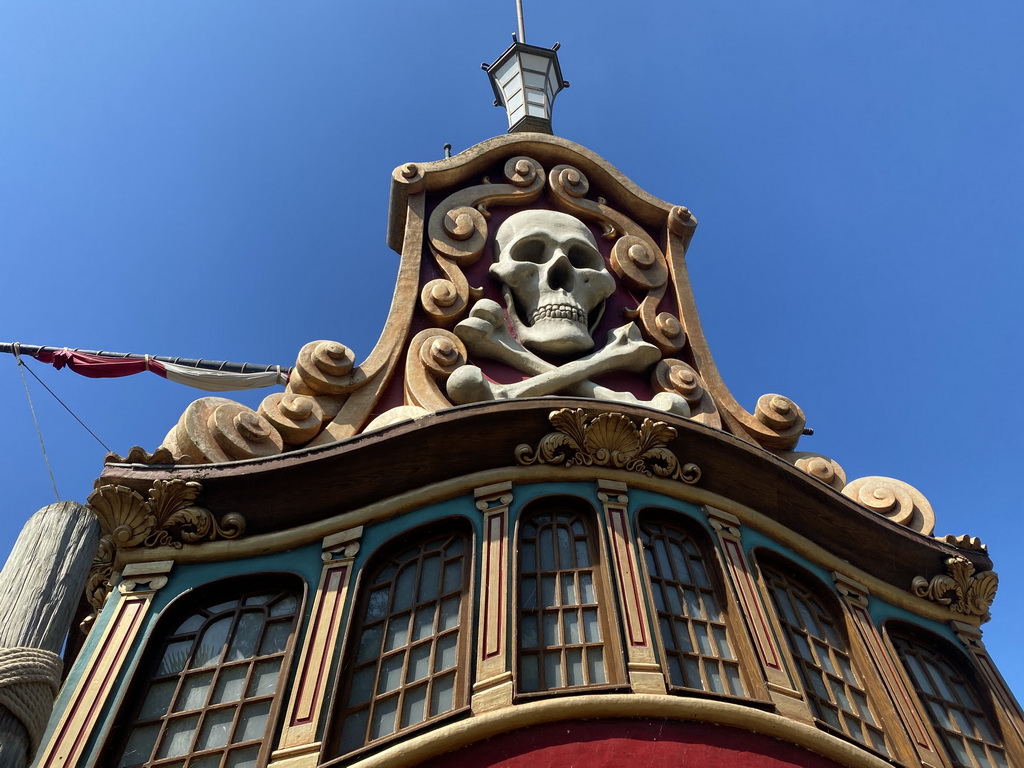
(750, 671)
(878, 701)
(189, 603)
(374, 564)
(961, 663)
(608, 611)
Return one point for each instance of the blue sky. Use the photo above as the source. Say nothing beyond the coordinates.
(211, 180)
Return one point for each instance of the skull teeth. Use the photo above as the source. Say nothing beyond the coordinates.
(561, 312)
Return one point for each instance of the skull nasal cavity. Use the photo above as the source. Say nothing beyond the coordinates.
(561, 275)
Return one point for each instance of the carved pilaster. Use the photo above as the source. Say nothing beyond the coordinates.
(493, 688)
(645, 674)
(780, 683)
(298, 744)
(140, 582)
(855, 595)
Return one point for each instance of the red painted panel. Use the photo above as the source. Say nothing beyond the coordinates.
(619, 743)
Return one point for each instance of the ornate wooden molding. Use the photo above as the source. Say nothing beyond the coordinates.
(960, 588)
(609, 440)
(166, 517)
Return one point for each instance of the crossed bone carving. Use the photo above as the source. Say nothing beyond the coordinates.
(485, 334)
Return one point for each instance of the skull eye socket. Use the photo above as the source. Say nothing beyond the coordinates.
(584, 257)
(532, 251)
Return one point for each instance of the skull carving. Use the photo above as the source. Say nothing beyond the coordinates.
(555, 280)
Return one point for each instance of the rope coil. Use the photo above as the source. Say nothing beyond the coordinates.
(29, 681)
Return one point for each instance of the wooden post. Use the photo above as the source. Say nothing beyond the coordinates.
(40, 587)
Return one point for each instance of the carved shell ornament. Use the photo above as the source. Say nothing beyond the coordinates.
(960, 588)
(608, 440)
(169, 517)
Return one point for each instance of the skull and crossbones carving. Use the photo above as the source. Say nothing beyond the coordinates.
(554, 283)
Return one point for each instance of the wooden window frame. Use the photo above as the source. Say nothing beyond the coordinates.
(897, 632)
(730, 617)
(869, 686)
(606, 601)
(180, 610)
(384, 556)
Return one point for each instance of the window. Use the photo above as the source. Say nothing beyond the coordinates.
(816, 639)
(952, 705)
(410, 630)
(208, 697)
(694, 634)
(565, 640)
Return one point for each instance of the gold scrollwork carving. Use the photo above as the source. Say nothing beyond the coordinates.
(900, 502)
(457, 233)
(818, 466)
(672, 375)
(297, 418)
(169, 517)
(608, 440)
(960, 588)
(214, 429)
(433, 356)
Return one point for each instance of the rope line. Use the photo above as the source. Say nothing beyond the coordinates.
(25, 366)
(39, 432)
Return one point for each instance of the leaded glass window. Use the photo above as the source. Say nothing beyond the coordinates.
(564, 637)
(412, 630)
(834, 691)
(694, 635)
(952, 706)
(209, 698)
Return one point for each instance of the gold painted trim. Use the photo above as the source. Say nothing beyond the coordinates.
(436, 492)
(465, 732)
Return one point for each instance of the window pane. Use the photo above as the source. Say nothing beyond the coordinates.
(693, 631)
(216, 729)
(420, 636)
(209, 688)
(822, 659)
(954, 709)
(194, 691)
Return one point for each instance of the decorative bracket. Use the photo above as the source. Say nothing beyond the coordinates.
(960, 588)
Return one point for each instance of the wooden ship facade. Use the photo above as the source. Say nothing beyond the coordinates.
(533, 527)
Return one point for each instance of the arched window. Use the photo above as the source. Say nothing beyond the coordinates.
(695, 637)
(818, 642)
(205, 697)
(952, 704)
(565, 639)
(410, 630)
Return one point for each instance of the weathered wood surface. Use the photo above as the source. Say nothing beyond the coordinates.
(40, 587)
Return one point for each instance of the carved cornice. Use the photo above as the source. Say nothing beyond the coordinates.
(960, 588)
(608, 440)
(166, 516)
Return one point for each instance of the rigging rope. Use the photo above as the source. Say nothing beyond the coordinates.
(65, 407)
(39, 432)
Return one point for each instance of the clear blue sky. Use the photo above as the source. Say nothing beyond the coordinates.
(211, 180)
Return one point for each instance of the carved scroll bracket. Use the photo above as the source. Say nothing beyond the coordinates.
(960, 588)
(166, 517)
(609, 440)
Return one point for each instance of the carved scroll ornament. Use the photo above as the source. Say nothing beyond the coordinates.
(960, 588)
(166, 517)
(898, 501)
(608, 440)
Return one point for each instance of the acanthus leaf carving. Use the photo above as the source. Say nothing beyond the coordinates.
(166, 517)
(960, 588)
(609, 440)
